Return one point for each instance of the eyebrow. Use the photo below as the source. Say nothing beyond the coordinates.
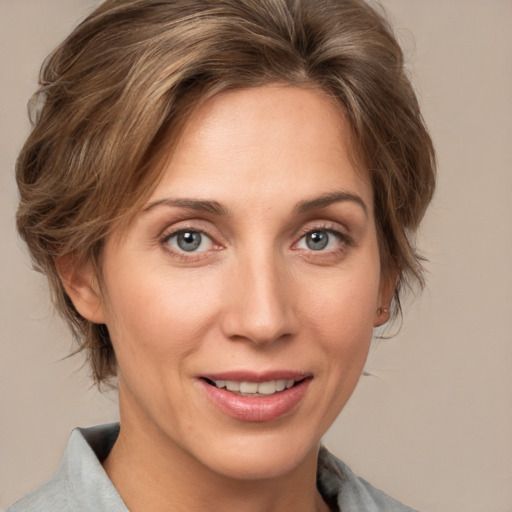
(199, 205)
(213, 207)
(326, 200)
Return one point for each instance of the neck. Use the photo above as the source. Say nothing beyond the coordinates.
(151, 472)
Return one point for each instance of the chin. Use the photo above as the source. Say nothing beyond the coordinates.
(260, 464)
(260, 455)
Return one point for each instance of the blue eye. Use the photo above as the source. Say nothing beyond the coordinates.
(190, 241)
(319, 240)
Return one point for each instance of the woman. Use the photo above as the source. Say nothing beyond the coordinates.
(222, 195)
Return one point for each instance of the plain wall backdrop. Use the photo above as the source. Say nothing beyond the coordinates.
(433, 425)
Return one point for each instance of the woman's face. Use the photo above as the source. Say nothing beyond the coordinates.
(253, 267)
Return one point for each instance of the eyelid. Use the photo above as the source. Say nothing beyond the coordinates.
(191, 256)
(329, 227)
(182, 231)
(196, 225)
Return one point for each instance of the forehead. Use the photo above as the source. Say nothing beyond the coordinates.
(272, 142)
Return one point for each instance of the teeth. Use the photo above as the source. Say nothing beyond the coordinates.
(267, 388)
(280, 385)
(248, 387)
(262, 388)
(232, 385)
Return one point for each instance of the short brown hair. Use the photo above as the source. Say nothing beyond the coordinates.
(114, 95)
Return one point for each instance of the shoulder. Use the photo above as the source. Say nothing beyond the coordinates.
(50, 496)
(352, 493)
(80, 482)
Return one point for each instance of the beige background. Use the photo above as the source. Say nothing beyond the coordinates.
(433, 426)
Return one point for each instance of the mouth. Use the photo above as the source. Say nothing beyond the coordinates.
(254, 389)
(256, 397)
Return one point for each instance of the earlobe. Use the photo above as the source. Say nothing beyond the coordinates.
(381, 316)
(81, 285)
(388, 286)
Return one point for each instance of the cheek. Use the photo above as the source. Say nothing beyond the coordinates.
(340, 324)
(341, 318)
(157, 316)
(344, 306)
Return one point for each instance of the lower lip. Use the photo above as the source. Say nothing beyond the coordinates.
(258, 408)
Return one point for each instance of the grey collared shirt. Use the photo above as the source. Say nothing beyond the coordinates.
(81, 485)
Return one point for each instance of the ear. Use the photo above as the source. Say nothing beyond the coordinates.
(81, 285)
(387, 287)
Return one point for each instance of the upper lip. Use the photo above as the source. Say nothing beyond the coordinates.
(251, 376)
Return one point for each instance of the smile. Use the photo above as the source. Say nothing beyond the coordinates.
(245, 388)
(256, 398)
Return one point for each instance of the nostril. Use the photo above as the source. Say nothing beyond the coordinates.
(259, 304)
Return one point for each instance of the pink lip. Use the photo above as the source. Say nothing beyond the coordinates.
(258, 408)
(248, 376)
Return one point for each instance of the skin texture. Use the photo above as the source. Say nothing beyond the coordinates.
(253, 297)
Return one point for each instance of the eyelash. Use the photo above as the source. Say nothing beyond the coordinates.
(332, 229)
(183, 255)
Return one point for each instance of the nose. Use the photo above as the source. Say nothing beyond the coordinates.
(259, 304)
